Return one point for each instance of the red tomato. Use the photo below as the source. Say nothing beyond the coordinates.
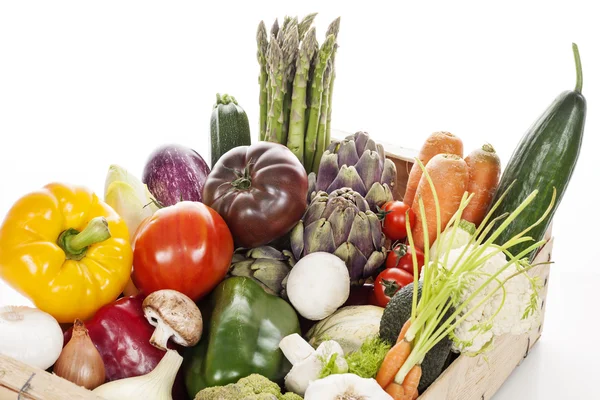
(394, 219)
(185, 247)
(388, 282)
(401, 257)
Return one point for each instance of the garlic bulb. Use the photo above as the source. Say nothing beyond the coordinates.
(345, 386)
(156, 385)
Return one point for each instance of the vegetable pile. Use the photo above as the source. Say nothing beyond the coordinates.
(286, 269)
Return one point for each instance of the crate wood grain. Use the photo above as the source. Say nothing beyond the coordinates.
(467, 378)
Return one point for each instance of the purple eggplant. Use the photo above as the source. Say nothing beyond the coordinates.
(175, 173)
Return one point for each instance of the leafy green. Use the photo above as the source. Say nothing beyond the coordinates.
(330, 367)
(365, 362)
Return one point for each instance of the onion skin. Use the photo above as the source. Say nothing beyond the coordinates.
(80, 362)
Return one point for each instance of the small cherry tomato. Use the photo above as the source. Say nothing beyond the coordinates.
(388, 282)
(401, 257)
(393, 217)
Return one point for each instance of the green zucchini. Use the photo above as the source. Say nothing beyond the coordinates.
(544, 160)
(229, 127)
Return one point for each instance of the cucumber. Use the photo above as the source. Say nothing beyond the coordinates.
(229, 127)
(544, 159)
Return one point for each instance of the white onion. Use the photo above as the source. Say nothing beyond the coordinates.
(30, 335)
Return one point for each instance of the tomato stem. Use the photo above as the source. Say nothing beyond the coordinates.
(244, 180)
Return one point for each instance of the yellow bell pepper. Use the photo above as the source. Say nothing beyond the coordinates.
(66, 250)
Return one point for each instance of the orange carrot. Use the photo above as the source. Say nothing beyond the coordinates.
(395, 390)
(484, 175)
(450, 176)
(416, 396)
(403, 331)
(392, 362)
(411, 381)
(436, 143)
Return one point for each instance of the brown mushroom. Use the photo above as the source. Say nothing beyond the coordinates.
(175, 316)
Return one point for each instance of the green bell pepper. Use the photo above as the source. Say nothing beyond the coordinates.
(245, 325)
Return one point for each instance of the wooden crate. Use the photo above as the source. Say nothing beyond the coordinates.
(467, 378)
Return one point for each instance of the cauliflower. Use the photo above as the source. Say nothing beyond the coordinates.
(518, 314)
(252, 387)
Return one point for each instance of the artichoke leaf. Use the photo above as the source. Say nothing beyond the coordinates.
(389, 175)
(369, 168)
(347, 154)
(315, 209)
(377, 236)
(361, 138)
(378, 195)
(348, 178)
(381, 152)
(318, 237)
(376, 259)
(241, 268)
(270, 273)
(297, 240)
(354, 259)
(341, 223)
(268, 252)
(360, 234)
(328, 170)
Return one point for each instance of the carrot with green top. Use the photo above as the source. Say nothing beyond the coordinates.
(392, 362)
(441, 306)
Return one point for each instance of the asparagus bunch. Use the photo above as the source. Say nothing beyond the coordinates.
(296, 83)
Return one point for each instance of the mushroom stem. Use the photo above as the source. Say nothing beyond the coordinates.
(295, 349)
(161, 336)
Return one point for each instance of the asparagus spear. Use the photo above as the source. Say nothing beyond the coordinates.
(330, 98)
(310, 141)
(334, 29)
(322, 127)
(304, 25)
(273, 34)
(286, 21)
(275, 28)
(276, 72)
(261, 54)
(290, 54)
(295, 140)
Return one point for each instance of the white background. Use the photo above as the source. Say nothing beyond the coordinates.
(87, 84)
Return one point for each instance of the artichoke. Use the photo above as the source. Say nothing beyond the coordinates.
(358, 163)
(266, 265)
(341, 223)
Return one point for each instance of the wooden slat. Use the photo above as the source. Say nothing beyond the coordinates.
(42, 386)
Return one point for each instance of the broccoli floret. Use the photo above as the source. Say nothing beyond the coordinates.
(258, 384)
(229, 392)
(261, 396)
(252, 387)
(291, 396)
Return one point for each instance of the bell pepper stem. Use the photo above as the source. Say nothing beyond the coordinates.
(75, 243)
